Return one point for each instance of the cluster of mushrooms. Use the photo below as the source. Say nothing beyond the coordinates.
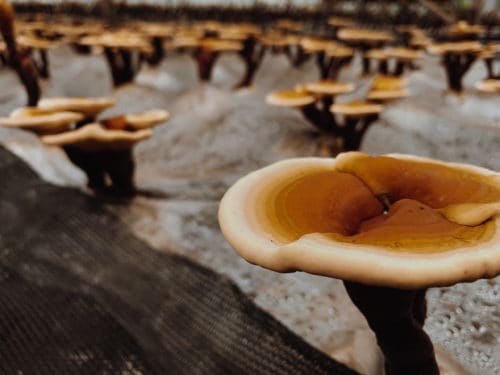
(101, 147)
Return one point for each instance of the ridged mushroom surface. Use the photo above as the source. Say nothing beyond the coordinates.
(389, 220)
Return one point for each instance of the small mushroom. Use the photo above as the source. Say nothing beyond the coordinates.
(365, 39)
(41, 121)
(357, 118)
(457, 58)
(382, 224)
(462, 30)
(207, 52)
(103, 155)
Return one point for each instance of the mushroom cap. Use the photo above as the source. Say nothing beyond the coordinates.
(356, 109)
(221, 45)
(454, 47)
(31, 41)
(290, 98)
(40, 121)
(288, 216)
(464, 28)
(489, 86)
(142, 120)
(274, 39)
(328, 87)
(340, 21)
(316, 44)
(377, 54)
(85, 105)
(388, 83)
(382, 95)
(364, 35)
(94, 137)
(339, 51)
(122, 39)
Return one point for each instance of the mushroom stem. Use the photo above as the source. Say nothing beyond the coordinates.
(396, 317)
(456, 66)
(118, 165)
(20, 61)
(252, 54)
(354, 130)
(205, 58)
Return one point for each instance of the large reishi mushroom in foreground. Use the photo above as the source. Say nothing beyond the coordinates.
(389, 226)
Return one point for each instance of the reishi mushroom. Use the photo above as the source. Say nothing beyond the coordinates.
(40, 121)
(105, 149)
(389, 226)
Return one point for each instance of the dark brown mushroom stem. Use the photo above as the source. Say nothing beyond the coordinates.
(396, 317)
(117, 165)
(354, 129)
(158, 51)
(491, 74)
(456, 65)
(320, 116)
(122, 65)
(296, 55)
(205, 59)
(252, 54)
(395, 69)
(20, 60)
(330, 66)
(42, 63)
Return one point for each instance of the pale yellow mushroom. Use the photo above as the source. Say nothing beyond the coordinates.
(135, 121)
(490, 86)
(331, 88)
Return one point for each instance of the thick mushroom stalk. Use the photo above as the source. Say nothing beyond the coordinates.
(396, 316)
(389, 226)
(457, 58)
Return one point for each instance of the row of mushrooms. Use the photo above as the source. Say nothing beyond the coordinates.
(127, 47)
(100, 147)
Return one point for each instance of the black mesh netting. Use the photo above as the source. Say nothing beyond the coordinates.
(80, 294)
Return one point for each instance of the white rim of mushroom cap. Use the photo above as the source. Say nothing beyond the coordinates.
(94, 137)
(240, 216)
(328, 87)
(40, 121)
(87, 106)
(290, 98)
(356, 109)
(491, 86)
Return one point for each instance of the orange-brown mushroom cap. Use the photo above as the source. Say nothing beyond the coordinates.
(324, 216)
(290, 98)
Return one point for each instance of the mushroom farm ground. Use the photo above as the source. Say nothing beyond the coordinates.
(216, 135)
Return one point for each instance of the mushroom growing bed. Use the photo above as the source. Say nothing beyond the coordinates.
(217, 135)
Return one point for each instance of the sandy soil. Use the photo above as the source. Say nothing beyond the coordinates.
(217, 135)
